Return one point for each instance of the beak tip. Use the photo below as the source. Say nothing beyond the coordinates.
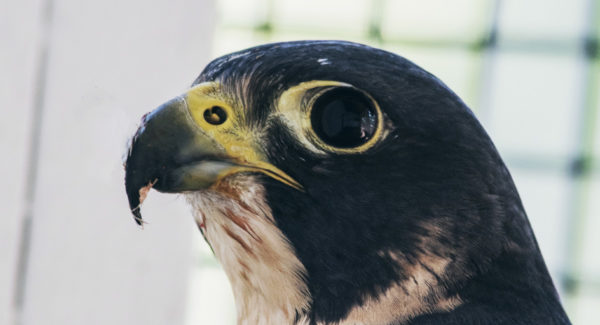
(134, 201)
(137, 216)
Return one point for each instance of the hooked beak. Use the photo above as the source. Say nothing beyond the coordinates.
(171, 152)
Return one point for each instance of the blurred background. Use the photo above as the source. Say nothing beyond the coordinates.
(76, 76)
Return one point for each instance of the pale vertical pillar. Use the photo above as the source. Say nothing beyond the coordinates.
(108, 63)
(20, 40)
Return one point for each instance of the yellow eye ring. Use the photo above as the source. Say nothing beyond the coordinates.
(295, 106)
(344, 118)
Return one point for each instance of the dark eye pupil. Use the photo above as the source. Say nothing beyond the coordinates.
(344, 118)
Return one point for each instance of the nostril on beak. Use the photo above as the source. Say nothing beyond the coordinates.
(215, 115)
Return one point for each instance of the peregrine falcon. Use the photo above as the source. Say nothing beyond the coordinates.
(342, 184)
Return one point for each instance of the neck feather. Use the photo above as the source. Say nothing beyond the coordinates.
(267, 278)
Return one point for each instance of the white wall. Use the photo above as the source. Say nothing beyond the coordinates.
(19, 49)
(108, 63)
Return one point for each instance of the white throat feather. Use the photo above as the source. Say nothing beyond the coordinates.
(267, 278)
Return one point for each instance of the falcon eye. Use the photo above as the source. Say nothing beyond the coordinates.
(344, 118)
(215, 115)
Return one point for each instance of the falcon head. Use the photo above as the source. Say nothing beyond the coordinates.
(342, 184)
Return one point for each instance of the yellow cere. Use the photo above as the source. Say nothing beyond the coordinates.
(240, 142)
